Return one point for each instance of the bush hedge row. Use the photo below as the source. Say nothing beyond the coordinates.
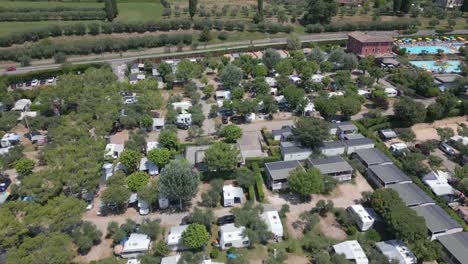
(96, 46)
(252, 193)
(401, 24)
(140, 27)
(47, 9)
(63, 15)
(258, 182)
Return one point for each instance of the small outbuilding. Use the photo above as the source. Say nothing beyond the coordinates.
(232, 195)
(232, 236)
(274, 224)
(294, 151)
(352, 251)
(333, 148)
(136, 245)
(148, 166)
(333, 166)
(396, 250)
(360, 215)
(358, 143)
(113, 150)
(385, 175)
(174, 238)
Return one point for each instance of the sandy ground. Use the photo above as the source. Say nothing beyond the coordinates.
(119, 137)
(330, 228)
(426, 131)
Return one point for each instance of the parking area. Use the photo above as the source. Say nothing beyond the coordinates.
(29, 85)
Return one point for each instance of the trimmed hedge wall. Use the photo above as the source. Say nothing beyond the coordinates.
(258, 182)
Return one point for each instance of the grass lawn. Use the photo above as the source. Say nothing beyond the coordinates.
(139, 11)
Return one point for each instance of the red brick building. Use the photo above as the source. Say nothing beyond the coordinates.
(364, 45)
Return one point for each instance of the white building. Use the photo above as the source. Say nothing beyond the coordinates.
(21, 105)
(107, 170)
(150, 145)
(223, 95)
(294, 151)
(438, 182)
(174, 238)
(158, 123)
(363, 220)
(294, 79)
(352, 251)
(148, 166)
(271, 81)
(232, 195)
(113, 150)
(170, 259)
(396, 250)
(316, 78)
(184, 118)
(143, 207)
(273, 222)
(9, 139)
(185, 105)
(136, 245)
(232, 236)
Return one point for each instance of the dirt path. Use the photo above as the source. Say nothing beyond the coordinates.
(426, 131)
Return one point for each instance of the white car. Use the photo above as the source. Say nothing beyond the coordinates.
(51, 80)
(35, 82)
(89, 206)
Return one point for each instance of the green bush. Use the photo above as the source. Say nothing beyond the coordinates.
(258, 182)
(260, 160)
(214, 253)
(252, 193)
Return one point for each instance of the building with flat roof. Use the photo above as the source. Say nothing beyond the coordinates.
(385, 175)
(455, 247)
(358, 143)
(273, 221)
(334, 166)
(333, 148)
(411, 194)
(360, 215)
(277, 173)
(438, 222)
(363, 44)
(195, 154)
(352, 251)
(232, 236)
(396, 250)
(250, 145)
(232, 195)
(294, 151)
(174, 238)
(438, 182)
(283, 134)
(135, 245)
(371, 157)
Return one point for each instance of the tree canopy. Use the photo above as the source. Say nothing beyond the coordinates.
(311, 131)
(306, 182)
(222, 157)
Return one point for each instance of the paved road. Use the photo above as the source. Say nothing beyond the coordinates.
(446, 162)
(112, 59)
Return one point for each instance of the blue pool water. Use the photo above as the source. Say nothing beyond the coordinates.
(451, 66)
(429, 49)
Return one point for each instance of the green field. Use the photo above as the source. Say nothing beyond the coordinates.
(128, 11)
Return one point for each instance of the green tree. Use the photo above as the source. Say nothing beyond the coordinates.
(161, 249)
(203, 217)
(445, 133)
(232, 133)
(293, 42)
(231, 76)
(117, 195)
(316, 55)
(376, 73)
(54, 248)
(435, 111)
(159, 156)
(424, 85)
(85, 236)
(271, 58)
(178, 181)
(310, 131)
(295, 98)
(193, 7)
(350, 106)
(152, 228)
(245, 177)
(12, 231)
(109, 9)
(261, 71)
(222, 157)
(284, 67)
(137, 180)
(407, 135)
(208, 90)
(130, 159)
(24, 166)
(195, 236)
(205, 35)
(306, 182)
(410, 112)
(168, 139)
(320, 11)
(396, 6)
(249, 216)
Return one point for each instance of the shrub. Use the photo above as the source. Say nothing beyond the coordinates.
(252, 193)
(258, 182)
(214, 253)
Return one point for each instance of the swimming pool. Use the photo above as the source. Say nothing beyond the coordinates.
(448, 66)
(429, 49)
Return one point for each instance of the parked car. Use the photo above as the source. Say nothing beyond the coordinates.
(183, 126)
(50, 80)
(28, 84)
(42, 82)
(11, 68)
(4, 184)
(424, 150)
(227, 219)
(35, 82)
(447, 149)
(237, 119)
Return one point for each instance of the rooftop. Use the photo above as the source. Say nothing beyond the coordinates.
(457, 245)
(336, 124)
(446, 77)
(280, 169)
(372, 156)
(361, 212)
(396, 249)
(359, 142)
(293, 147)
(230, 232)
(389, 173)
(411, 194)
(332, 144)
(137, 242)
(364, 37)
(332, 164)
(229, 192)
(195, 154)
(437, 220)
(352, 250)
(438, 182)
(175, 234)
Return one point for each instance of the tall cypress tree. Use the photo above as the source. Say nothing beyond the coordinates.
(109, 9)
(115, 8)
(192, 7)
(464, 7)
(396, 6)
(260, 7)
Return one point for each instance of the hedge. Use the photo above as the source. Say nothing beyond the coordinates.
(63, 15)
(260, 161)
(44, 74)
(36, 34)
(401, 24)
(382, 147)
(258, 182)
(252, 193)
